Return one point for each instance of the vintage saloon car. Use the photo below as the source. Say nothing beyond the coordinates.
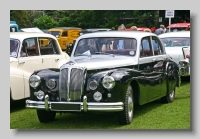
(101, 77)
(30, 52)
(177, 46)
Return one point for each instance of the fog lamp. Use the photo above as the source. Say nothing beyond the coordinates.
(39, 94)
(97, 96)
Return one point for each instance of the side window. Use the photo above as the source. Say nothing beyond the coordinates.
(157, 46)
(145, 47)
(64, 34)
(48, 46)
(30, 47)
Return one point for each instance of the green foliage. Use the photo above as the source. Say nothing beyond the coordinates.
(93, 18)
(64, 22)
(21, 17)
(45, 22)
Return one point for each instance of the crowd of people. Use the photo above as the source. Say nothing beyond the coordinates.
(155, 30)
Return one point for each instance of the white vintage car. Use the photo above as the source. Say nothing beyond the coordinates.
(177, 46)
(30, 52)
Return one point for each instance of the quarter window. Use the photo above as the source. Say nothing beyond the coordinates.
(48, 46)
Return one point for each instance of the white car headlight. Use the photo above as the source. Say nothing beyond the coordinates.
(108, 82)
(34, 81)
(51, 84)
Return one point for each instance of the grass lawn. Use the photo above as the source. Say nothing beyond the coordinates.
(154, 115)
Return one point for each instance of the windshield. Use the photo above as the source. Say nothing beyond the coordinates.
(176, 29)
(14, 47)
(97, 46)
(176, 41)
(55, 33)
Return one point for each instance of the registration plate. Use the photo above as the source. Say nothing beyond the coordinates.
(66, 107)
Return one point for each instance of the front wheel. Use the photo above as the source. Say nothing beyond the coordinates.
(126, 116)
(46, 116)
(169, 97)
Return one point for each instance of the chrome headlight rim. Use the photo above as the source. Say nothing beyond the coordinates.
(112, 82)
(93, 81)
(54, 80)
(38, 80)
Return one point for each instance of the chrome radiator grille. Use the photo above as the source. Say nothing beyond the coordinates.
(71, 83)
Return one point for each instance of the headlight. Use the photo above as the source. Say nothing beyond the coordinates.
(108, 82)
(51, 84)
(34, 81)
(93, 85)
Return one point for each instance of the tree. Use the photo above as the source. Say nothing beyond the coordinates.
(21, 17)
(45, 22)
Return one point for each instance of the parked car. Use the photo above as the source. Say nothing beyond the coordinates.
(177, 45)
(106, 80)
(34, 29)
(14, 26)
(91, 30)
(65, 35)
(30, 52)
(175, 27)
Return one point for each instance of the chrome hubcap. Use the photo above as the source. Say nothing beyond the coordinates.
(130, 106)
(171, 95)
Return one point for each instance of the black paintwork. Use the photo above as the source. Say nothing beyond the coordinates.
(149, 81)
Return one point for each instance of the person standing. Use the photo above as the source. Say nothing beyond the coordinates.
(159, 30)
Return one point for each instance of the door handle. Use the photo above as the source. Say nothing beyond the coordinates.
(21, 63)
(153, 60)
(56, 60)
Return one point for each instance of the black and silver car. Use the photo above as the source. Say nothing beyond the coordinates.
(108, 72)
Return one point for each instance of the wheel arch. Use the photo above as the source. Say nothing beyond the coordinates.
(136, 91)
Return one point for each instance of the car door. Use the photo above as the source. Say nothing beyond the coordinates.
(29, 62)
(50, 53)
(147, 62)
(159, 60)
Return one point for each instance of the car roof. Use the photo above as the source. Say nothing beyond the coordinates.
(175, 34)
(22, 35)
(128, 34)
(65, 28)
(178, 25)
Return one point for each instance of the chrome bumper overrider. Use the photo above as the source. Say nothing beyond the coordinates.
(82, 106)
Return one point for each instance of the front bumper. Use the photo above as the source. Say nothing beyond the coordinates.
(75, 106)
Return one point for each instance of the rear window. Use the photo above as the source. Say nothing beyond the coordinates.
(55, 33)
(176, 29)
